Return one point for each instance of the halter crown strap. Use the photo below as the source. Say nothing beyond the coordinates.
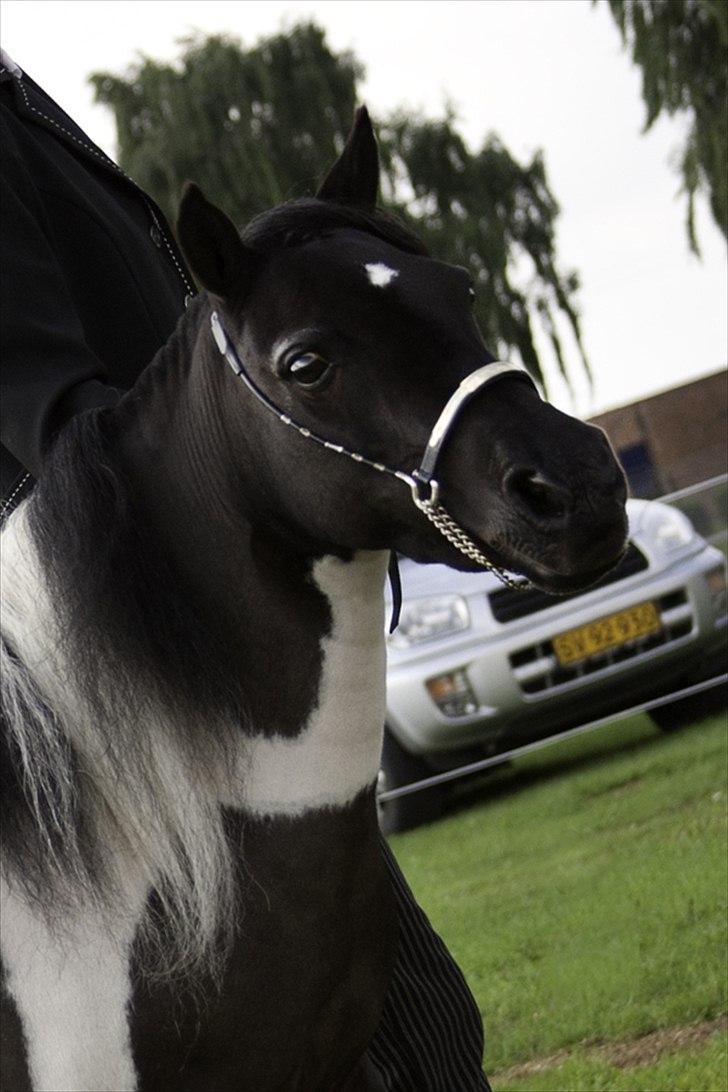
(221, 340)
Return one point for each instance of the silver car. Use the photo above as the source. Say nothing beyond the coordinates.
(476, 668)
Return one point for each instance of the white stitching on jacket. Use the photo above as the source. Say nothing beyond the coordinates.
(106, 159)
(8, 502)
(172, 254)
(89, 147)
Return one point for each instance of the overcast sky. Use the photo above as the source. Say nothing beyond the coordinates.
(545, 74)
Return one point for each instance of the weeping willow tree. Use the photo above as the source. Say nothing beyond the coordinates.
(488, 212)
(256, 126)
(681, 47)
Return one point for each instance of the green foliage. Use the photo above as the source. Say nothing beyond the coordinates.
(681, 47)
(584, 891)
(257, 126)
(253, 128)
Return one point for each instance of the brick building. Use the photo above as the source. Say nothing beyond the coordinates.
(674, 438)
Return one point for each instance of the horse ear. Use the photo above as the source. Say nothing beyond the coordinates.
(212, 245)
(354, 177)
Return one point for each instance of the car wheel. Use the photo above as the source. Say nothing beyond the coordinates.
(678, 714)
(399, 767)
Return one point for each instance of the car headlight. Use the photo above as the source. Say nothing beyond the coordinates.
(669, 530)
(424, 619)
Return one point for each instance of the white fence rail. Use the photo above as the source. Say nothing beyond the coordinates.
(710, 516)
(693, 490)
(539, 744)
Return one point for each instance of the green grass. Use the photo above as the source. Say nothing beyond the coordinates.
(583, 892)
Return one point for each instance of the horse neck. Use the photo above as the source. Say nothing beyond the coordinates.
(270, 604)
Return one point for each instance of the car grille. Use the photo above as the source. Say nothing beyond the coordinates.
(537, 670)
(508, 604)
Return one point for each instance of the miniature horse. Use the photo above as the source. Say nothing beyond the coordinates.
(193, 893)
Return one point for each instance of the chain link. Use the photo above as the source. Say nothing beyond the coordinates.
(435, 513)
(454, 533)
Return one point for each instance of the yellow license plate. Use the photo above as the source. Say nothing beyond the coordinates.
(610, 632)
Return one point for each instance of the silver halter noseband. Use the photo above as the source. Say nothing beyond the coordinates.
(423, 486)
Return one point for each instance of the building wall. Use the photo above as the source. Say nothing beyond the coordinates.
(674, 438)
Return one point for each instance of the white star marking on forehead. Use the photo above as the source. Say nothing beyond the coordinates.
(380, 274)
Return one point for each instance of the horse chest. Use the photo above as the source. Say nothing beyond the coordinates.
(303, 989)
(304, 986)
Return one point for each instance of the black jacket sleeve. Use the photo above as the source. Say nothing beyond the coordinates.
(48, 370)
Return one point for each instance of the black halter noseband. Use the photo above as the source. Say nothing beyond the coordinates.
(423, 485)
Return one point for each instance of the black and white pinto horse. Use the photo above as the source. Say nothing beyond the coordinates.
(193, 892)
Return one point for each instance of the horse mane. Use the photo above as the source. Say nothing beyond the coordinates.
(134, 758)
(118, 598)
(306, 218)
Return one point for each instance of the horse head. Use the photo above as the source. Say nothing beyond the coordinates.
(343, 325)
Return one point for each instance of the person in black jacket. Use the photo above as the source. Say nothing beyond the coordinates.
(92, 281)
(92, 285)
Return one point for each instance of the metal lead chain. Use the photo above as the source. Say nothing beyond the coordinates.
(452, 531)
(435, 513)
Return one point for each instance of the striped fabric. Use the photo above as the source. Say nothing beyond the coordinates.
(430, 1037)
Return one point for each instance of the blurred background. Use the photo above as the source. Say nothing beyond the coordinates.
(514, 131)
(573, 155)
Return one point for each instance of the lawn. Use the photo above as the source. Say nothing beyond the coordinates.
(583, 892)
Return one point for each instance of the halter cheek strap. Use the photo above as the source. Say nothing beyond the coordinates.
(423, 486)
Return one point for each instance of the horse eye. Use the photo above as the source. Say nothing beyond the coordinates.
(471, 293)
(307, 369)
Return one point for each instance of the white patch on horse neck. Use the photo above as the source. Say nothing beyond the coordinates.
(71, 992)
(380, 275)
(337, 753)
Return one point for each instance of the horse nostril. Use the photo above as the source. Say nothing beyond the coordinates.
(542, 498)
